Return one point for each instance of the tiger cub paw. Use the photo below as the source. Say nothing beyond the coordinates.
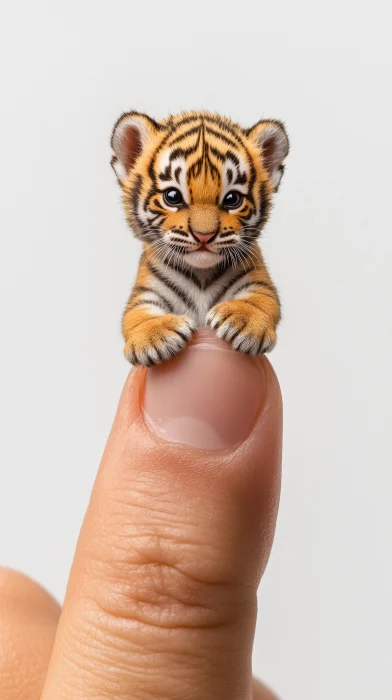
(158, 339)
(245, 327)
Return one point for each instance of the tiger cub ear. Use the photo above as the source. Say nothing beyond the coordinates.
(130, 135)
(271, 138)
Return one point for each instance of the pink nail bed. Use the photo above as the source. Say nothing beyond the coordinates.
(207, 397)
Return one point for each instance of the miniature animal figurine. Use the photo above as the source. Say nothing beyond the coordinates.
(197, 191)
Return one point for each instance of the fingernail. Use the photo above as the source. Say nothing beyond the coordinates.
(208, 397)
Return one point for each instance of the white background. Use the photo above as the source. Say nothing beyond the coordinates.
(67, 263)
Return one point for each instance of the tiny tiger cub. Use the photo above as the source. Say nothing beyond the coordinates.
(197, 191)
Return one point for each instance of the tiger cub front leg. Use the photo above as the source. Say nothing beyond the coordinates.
(249, 322)
(152, 337)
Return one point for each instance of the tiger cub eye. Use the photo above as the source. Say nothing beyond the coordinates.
(232, 200)
(173, 197)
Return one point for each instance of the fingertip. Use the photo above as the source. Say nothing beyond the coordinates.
(210, 396)
(18, 590)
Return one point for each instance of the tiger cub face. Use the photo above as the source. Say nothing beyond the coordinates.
(197, 187)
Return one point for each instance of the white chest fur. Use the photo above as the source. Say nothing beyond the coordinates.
(195, 295)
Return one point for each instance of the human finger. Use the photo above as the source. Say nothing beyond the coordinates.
(161, 600)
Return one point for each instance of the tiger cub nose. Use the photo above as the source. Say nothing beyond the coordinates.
(203, 237)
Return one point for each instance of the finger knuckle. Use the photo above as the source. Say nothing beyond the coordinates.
(163, 573)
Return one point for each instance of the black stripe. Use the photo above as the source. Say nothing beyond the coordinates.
(258, 283)
(225, 126)
(178, 240)
(223, 137)
(218, 154)
(172, 286)
(217, 273)
(234, 159)
(163, 143)
(184, 135)
(203, 284)
(178, 232)
(189, 274)
(226, 288)
(147, 301)
(240, 179)
(142, 289)
(264, 206)
(160, 296)
(166, 175)
(235, 130)
(136, 194)
(194, 171)
(155, 218)
(185, 152)
(211, 119)
(228, 155)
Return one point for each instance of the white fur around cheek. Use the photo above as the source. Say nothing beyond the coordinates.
(253, 218)
(142, 213)
(183, 184)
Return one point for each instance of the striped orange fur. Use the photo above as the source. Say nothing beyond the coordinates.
(197, 191)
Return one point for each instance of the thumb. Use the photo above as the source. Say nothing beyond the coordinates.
(161, 600)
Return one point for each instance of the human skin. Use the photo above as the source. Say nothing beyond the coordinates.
(161, 598)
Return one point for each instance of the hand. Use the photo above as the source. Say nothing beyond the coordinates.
(161, 600)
